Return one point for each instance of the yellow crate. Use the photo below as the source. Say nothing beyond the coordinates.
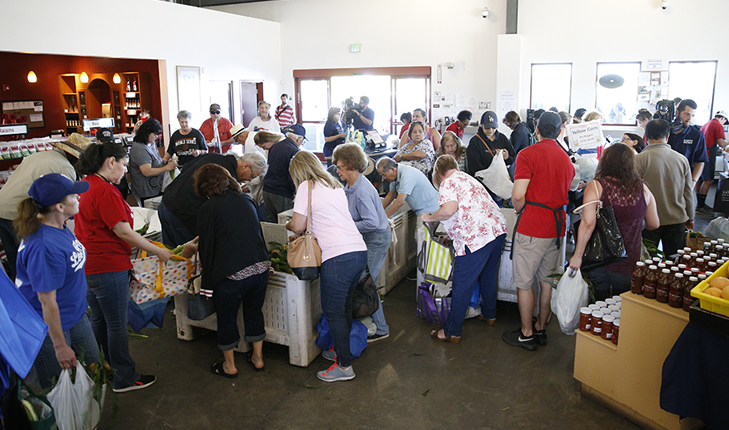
(709, 302)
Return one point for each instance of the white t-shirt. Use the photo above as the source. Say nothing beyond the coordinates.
(270, 125)
(331, 221)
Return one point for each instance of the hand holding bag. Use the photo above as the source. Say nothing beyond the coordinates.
(606, 245)
(496, 176)
(570, 296)
(304, 254)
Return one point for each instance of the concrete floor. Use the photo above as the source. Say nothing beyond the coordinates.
(407, 381)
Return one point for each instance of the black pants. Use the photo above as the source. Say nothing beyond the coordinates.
(673, 237)
(228, 296)
(10, 244)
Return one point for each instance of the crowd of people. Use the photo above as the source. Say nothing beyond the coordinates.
(218, 197)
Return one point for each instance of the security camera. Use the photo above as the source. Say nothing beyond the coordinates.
(664, 4)
(485, 12)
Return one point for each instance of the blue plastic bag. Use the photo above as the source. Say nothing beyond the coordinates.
(357, 337)
(147, 315)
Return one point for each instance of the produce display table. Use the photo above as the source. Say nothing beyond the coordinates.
(627, 378)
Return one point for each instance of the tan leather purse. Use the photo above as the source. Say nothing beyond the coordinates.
(304, 253)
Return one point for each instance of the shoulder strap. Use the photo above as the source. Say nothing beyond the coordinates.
(578, 210)
(308, 213)
(487, 145)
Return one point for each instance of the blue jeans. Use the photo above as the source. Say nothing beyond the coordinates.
(108, 298)
(378, 242)
(609, 283)
(174, 232)
(79, 337)
(228, 296)
(482, 267)
(339, 278)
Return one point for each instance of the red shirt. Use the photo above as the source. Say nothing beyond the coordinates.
(550, 172)
(284, 115)
(224, 126)
(713, 131)
(100, 209)
(454, 127)
(404, 129)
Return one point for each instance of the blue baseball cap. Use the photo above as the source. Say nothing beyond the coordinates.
(296, 129)
(550, 122)
(50, 189)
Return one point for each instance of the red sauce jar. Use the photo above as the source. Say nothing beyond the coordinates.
(700, 264)
(687, 299)
(607, 327)
(675, 294)
(636, 286)
(585, 319)
(650, 283)
(616, 331)
(596, 327)
(663, 285)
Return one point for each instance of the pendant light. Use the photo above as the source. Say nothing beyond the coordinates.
(84, 78)
(32, 78)
(116, 79)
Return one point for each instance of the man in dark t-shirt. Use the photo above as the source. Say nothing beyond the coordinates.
(278, 187)
(365, 116)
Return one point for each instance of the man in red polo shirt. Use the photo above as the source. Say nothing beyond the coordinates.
(464, 118)
(216, 130)
(543, 177)
(714, 134)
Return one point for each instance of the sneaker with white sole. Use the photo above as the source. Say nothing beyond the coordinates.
(517, 338)
(375, 337)
(144, 382)
(329, 355)
(335, 373)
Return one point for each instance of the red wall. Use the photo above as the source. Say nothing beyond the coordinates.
(15, 68)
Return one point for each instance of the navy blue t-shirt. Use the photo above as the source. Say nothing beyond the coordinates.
(278, 179)
(332, 129)
(359, 125)
(53, 259)
(691, 143)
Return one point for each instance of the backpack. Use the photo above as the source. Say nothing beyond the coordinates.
(532, 139)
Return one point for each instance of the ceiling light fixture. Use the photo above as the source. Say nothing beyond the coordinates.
(116, 78)
(32, 78)
(84, 78)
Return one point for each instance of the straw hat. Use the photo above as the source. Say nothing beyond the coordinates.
(75, 145)
(370, 166)
(236, 130)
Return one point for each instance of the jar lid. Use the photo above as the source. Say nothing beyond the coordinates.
(699, 260)
(640, 264)
(712, 263)
(665, 271)
(662, 265)
(674, 269)
(687, 249)
(585, 311)
(617, 322)
(693, 279)
(652, 267)
(686, 273)
(681, 252)
(702, 276)
(694, 255)
(649, 262)
(700, 252)
(708, 273)
(712, 255)
(618, 299)
(601, 303)
(679, 275)
(614, 308)
(597, 314)
(608, 318)
(594, 307)
(669, 262)
(610, 301)
(682, 266)
(616, 315)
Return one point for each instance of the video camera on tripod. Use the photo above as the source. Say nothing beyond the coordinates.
(665, 110)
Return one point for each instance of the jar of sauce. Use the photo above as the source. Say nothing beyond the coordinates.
(700, 264)
(594, 307)
(585, 319)
(664, 282)
(680, 253)
(687, 299)
(687, 260)
(675, 294)
(681, 267)
(711, 266)
(607, 327)
(650, 283)
(601, 303)
(610, 301)
(693, 257)
(616, 331)
(656, 261)
(596, 327)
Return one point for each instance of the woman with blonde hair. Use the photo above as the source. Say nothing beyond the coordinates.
(343, 252)
(450, 144)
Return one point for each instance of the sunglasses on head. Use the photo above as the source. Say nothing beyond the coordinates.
(215, 111)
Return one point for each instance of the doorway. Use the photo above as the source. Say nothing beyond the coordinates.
(250, 94)
(98, 99)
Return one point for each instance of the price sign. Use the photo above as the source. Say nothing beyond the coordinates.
(13, 129)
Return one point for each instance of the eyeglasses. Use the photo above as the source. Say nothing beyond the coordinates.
(340, 167)
(217, 112)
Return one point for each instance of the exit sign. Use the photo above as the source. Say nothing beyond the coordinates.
(355, 48)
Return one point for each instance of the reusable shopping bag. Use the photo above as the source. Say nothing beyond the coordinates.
(436, 259)
(496, 177)
(37, 408)
(153, 279)
(357, 337)
(431, 308)
(364, 302)
(570, 296)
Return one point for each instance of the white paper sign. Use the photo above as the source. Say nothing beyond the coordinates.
(586, 135)
(36, 117)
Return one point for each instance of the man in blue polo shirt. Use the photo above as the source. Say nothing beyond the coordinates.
(407, 184)
(365, 116)
(687, 139)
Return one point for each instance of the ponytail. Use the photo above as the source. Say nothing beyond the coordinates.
(29, 217)
(96, 155)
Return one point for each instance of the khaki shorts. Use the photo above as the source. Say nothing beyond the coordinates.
(533, 256)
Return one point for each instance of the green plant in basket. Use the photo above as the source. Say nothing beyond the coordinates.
(279, 257)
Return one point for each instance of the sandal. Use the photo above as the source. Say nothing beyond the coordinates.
(257, 369)
(489, 321)
(447, 338)
(217, 369)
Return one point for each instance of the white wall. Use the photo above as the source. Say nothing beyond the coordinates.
(181, 35)
(317, 33)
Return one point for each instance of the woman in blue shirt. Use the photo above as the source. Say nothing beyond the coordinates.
(369, 216)
(51, 273)
(333, 133)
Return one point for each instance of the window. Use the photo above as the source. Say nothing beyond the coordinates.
(314, 100)
(551, 86)
(694, 80)
(616, 92)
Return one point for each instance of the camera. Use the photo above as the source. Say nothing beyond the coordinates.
(664, 4)
(485, 12)
(351, 111)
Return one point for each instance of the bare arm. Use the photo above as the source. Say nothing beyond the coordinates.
(444, 212)
(722, 143)
(148, 170)
(651, 213)
(125, 232)
(388, 199)
(696, 173)
(404, 140)
(64, 354)
(365, 120)
(335, 137)
(397, 204)
(518, 194)
(297, 224)
(435, 135)
(589, 217)
(415, 155)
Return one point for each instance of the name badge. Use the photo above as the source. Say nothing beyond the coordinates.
(688, 141)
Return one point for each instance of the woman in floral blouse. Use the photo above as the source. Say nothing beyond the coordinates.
(478, 229)
(419, 153)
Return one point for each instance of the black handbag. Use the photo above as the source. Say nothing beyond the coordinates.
(606, 245)
(365, 301)
(199, 306)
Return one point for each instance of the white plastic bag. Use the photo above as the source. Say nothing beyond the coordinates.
(496, 177)
(571, 295)
(72, 401)
(718, 228)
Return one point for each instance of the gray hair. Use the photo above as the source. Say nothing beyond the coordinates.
(184, 114)
(386, 163)
(257, 162)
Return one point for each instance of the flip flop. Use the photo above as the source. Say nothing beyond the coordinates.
(447, 338)
(257, 369)
(217, 369)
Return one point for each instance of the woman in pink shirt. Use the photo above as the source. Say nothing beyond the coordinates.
(343, 253)
(478, 229)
